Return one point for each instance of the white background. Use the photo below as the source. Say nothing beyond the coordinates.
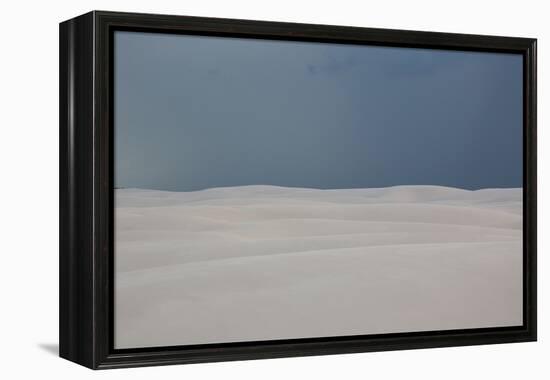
(29, 190)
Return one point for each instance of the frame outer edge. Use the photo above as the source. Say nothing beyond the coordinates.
(531, 161)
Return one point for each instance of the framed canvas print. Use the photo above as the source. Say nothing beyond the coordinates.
(236, 189)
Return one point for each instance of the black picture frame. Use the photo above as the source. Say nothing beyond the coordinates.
(86, 190)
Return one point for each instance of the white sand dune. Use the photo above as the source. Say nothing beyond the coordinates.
(268, 262)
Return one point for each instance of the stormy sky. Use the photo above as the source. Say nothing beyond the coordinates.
(194, 112)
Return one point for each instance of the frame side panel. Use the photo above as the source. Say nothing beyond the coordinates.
(66, 277)
(76, 335)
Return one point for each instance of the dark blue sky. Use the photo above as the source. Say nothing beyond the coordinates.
(196, 112)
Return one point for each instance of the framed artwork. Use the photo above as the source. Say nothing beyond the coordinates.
(236, 189)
